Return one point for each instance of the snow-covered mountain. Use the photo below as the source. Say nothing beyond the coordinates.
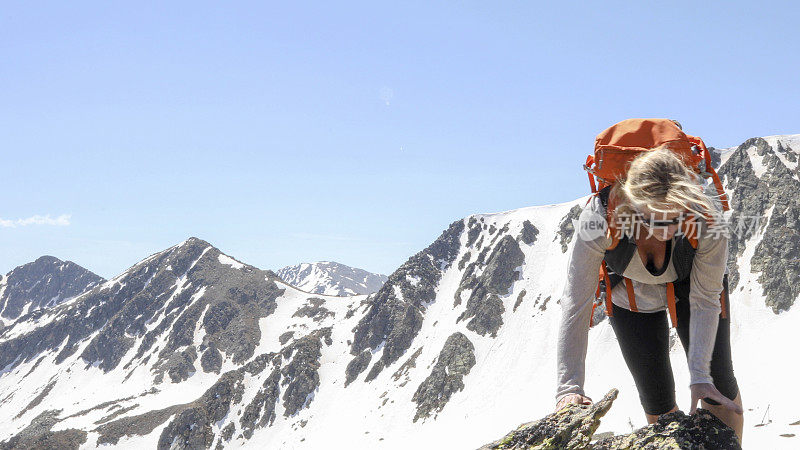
(43, 283)
(191, 348)
(331, 278)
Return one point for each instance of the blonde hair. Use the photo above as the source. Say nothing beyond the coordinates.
(661, 181)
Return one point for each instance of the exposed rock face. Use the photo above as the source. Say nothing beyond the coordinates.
(777, 255)
(716, 158)
(529, 233)
(43, 283)
(453, 363)
(484, 306)
(566, 228)
(314, 309)
(38, 435)
(331, 278)
(301, 374)
(191, 428)
(396, 311)
(574, 425)
(677, 430)
(475, 228)
(571, 427)
(748, 197)
(356, 366)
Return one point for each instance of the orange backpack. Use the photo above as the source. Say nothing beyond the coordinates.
(614, 149)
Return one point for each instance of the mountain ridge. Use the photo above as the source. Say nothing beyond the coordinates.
(453, 349)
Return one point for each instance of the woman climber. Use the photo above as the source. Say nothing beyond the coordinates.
(658, 252)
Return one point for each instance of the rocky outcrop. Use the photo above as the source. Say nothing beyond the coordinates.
(475, 227)
(453, 363)
(396, 311)
(677, 430)
(314, 310)
(356, 366)
(528, 233)
(301, 374)
(39, 435)
(192, 427)
(566, 227)
(485, 307)
(573, 427)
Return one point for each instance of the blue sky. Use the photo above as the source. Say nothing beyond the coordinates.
(285, 133)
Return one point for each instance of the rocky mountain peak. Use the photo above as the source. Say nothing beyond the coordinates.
(331, 278)
(43, 283)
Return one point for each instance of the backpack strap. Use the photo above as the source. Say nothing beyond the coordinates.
(682, 257)
(631, 295)
(673, 313)
(723, 297)
(608, 287)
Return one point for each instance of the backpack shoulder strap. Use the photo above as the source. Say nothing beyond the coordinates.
(683, 257)
(602, 194)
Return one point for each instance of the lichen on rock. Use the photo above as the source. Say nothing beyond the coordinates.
(573, 427)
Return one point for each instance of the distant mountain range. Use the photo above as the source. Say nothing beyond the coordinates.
(191, 348)
(331, 278)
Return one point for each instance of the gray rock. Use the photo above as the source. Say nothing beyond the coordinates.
(192, 427)
(520, 296)
(566, 229)
(314, 310)
(528, 233)
(573, 427)
(474, 231)
(38, 435)
(453, 363)
(484, 307)
(211, 361)
(301, 374)
(356, 366)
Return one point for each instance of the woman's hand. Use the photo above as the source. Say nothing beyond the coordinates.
(703, 390)
(577, 399)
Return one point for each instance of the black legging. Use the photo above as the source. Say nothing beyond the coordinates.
(644, 341)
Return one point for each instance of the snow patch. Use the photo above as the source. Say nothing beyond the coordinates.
(227, 260)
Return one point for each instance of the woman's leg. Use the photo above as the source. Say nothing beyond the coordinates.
(653, 418)
(644, 341)
(721, 365)
(731, 419)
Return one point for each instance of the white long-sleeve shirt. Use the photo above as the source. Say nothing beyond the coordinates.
(708, 269)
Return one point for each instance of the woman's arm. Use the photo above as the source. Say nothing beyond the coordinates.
(708, 269)
(576, 305)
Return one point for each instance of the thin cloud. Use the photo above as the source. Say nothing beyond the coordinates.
(38, 219)
(386, 94)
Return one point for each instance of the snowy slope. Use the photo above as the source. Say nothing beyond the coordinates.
(331, 278)
(192, 348)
